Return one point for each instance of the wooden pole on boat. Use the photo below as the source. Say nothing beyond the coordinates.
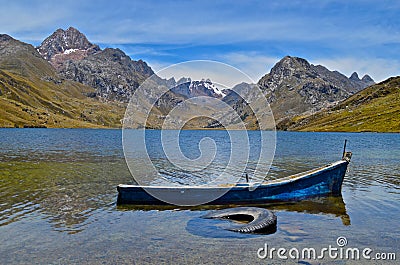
(344, 148)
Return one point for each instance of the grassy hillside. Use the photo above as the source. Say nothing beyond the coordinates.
(375, 109)
(55, 103)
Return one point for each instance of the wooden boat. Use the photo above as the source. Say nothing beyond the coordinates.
(326, 180)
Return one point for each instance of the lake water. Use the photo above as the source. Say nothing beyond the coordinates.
(58, 202)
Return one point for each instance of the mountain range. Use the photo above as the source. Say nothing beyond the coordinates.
(294, 86)
(67, 81)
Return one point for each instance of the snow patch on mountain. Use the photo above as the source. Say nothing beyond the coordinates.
(68, 51)
(209, 85)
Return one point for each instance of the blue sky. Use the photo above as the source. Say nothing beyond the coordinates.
(347, 36)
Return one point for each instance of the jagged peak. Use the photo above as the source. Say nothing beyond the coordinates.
(367, 78)
(291, 62)
(71, 37)
(297, 60)
(183, 80)
(205, 80)
(73, 29)
(354, 77)
(69, 30)
(65, 41)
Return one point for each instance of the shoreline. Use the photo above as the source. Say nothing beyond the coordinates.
(192, 129)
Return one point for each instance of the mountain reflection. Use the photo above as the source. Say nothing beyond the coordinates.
(65, 194)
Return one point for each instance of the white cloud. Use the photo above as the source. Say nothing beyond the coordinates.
(252, 63)
(157, 65)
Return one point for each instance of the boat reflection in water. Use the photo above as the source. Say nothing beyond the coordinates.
(332, 205)
(325, 205)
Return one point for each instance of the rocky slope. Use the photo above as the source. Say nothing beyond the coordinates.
(113, 74)
(295, 86)
(376, 109)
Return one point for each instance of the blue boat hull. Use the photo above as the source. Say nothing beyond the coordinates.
(322, 181)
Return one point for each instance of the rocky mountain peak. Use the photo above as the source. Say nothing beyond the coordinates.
(295, 86)
(287, 68)
(5, 37)
(289, 65)
(354, 77)
(292, 61)
(111, 72)
(367, 79)
(65, 45)
(184, 80)
(8, 44)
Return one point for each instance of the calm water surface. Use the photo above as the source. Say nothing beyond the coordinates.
(58, 201)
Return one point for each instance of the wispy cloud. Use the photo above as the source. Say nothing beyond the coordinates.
(247, 34)
(137, 50)
(207, 21)
(252, 63)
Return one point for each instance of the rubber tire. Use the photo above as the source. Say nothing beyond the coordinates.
(263, 220)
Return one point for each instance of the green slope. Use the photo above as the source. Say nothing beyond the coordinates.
(375, 109)
(36, 103)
